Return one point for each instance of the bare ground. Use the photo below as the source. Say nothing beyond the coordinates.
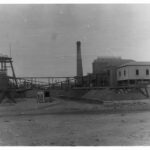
(70, 123)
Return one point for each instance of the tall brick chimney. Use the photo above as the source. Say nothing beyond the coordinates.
(79, 60)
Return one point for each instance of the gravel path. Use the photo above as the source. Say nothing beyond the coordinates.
(65, 123)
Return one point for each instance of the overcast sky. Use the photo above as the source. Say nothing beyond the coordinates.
(43, 37)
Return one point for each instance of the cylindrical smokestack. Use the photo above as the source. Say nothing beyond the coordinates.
(79, 60)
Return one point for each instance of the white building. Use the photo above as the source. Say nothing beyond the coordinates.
(133, 72)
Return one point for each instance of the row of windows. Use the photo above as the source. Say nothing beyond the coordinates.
(136, 72)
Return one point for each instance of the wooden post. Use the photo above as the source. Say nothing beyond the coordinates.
(1, 66)
(75, 82)
(89, 81)
(61, 85)
(14, 76)
(49, 82)
(5, 69)
(146, 92)
(82, 81)
(96, 80)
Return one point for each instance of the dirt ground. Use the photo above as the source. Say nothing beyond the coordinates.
(70, 123)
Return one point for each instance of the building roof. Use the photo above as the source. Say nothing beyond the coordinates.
(136, 63)
(106, 58)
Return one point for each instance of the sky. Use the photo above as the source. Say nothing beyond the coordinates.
(43, 37)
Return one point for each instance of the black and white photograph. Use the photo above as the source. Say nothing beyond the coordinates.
(74, 74)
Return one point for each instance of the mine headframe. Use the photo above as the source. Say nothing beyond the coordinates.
(7, 84)
(5, 63)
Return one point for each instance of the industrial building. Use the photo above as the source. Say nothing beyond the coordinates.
(112, 71)
(133, 73)
(105, 69)
(109, 73)
(102, 64)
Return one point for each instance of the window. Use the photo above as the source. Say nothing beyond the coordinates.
(147, 72)
(124, 73)
(137, 72)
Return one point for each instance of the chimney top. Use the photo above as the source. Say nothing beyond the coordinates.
(78, 43)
